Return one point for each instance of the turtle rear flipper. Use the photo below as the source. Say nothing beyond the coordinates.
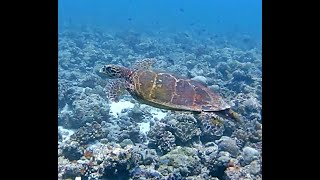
(144, 64)
(229, 113)
(114, 90)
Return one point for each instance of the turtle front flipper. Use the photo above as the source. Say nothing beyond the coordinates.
(114, 90)
(144, 64)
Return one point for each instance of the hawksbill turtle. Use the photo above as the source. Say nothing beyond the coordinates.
(163, 90)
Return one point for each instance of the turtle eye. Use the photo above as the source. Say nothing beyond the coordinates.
(107, 70)
(111, 71)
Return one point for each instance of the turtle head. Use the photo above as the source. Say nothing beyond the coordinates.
(115, 71)
(112, 71)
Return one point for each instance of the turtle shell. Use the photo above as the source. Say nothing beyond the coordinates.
(168, 91)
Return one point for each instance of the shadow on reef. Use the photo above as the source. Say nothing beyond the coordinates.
(121, 174)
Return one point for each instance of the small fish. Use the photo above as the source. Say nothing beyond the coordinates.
(181, 9)
(171, 61)
(214, 37)
(186, 35)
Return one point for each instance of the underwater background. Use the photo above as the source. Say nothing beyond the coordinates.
(214, 42)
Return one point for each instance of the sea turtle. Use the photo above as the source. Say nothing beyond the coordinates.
(163, 90)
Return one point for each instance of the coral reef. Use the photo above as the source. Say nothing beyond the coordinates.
(113, 161)
(100, 160)
(68, 170)
(182, 161)
(250, 154)
(212, 126)
(143, 172)
(251, 171)
(98, 139)
(85, 109)
(90, 132)
(228, 144)
(71, 150)
(161, 138)
(184, 127)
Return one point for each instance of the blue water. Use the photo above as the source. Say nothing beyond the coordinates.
(217, 16)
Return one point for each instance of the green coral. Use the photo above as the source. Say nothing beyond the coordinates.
(182, 158)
